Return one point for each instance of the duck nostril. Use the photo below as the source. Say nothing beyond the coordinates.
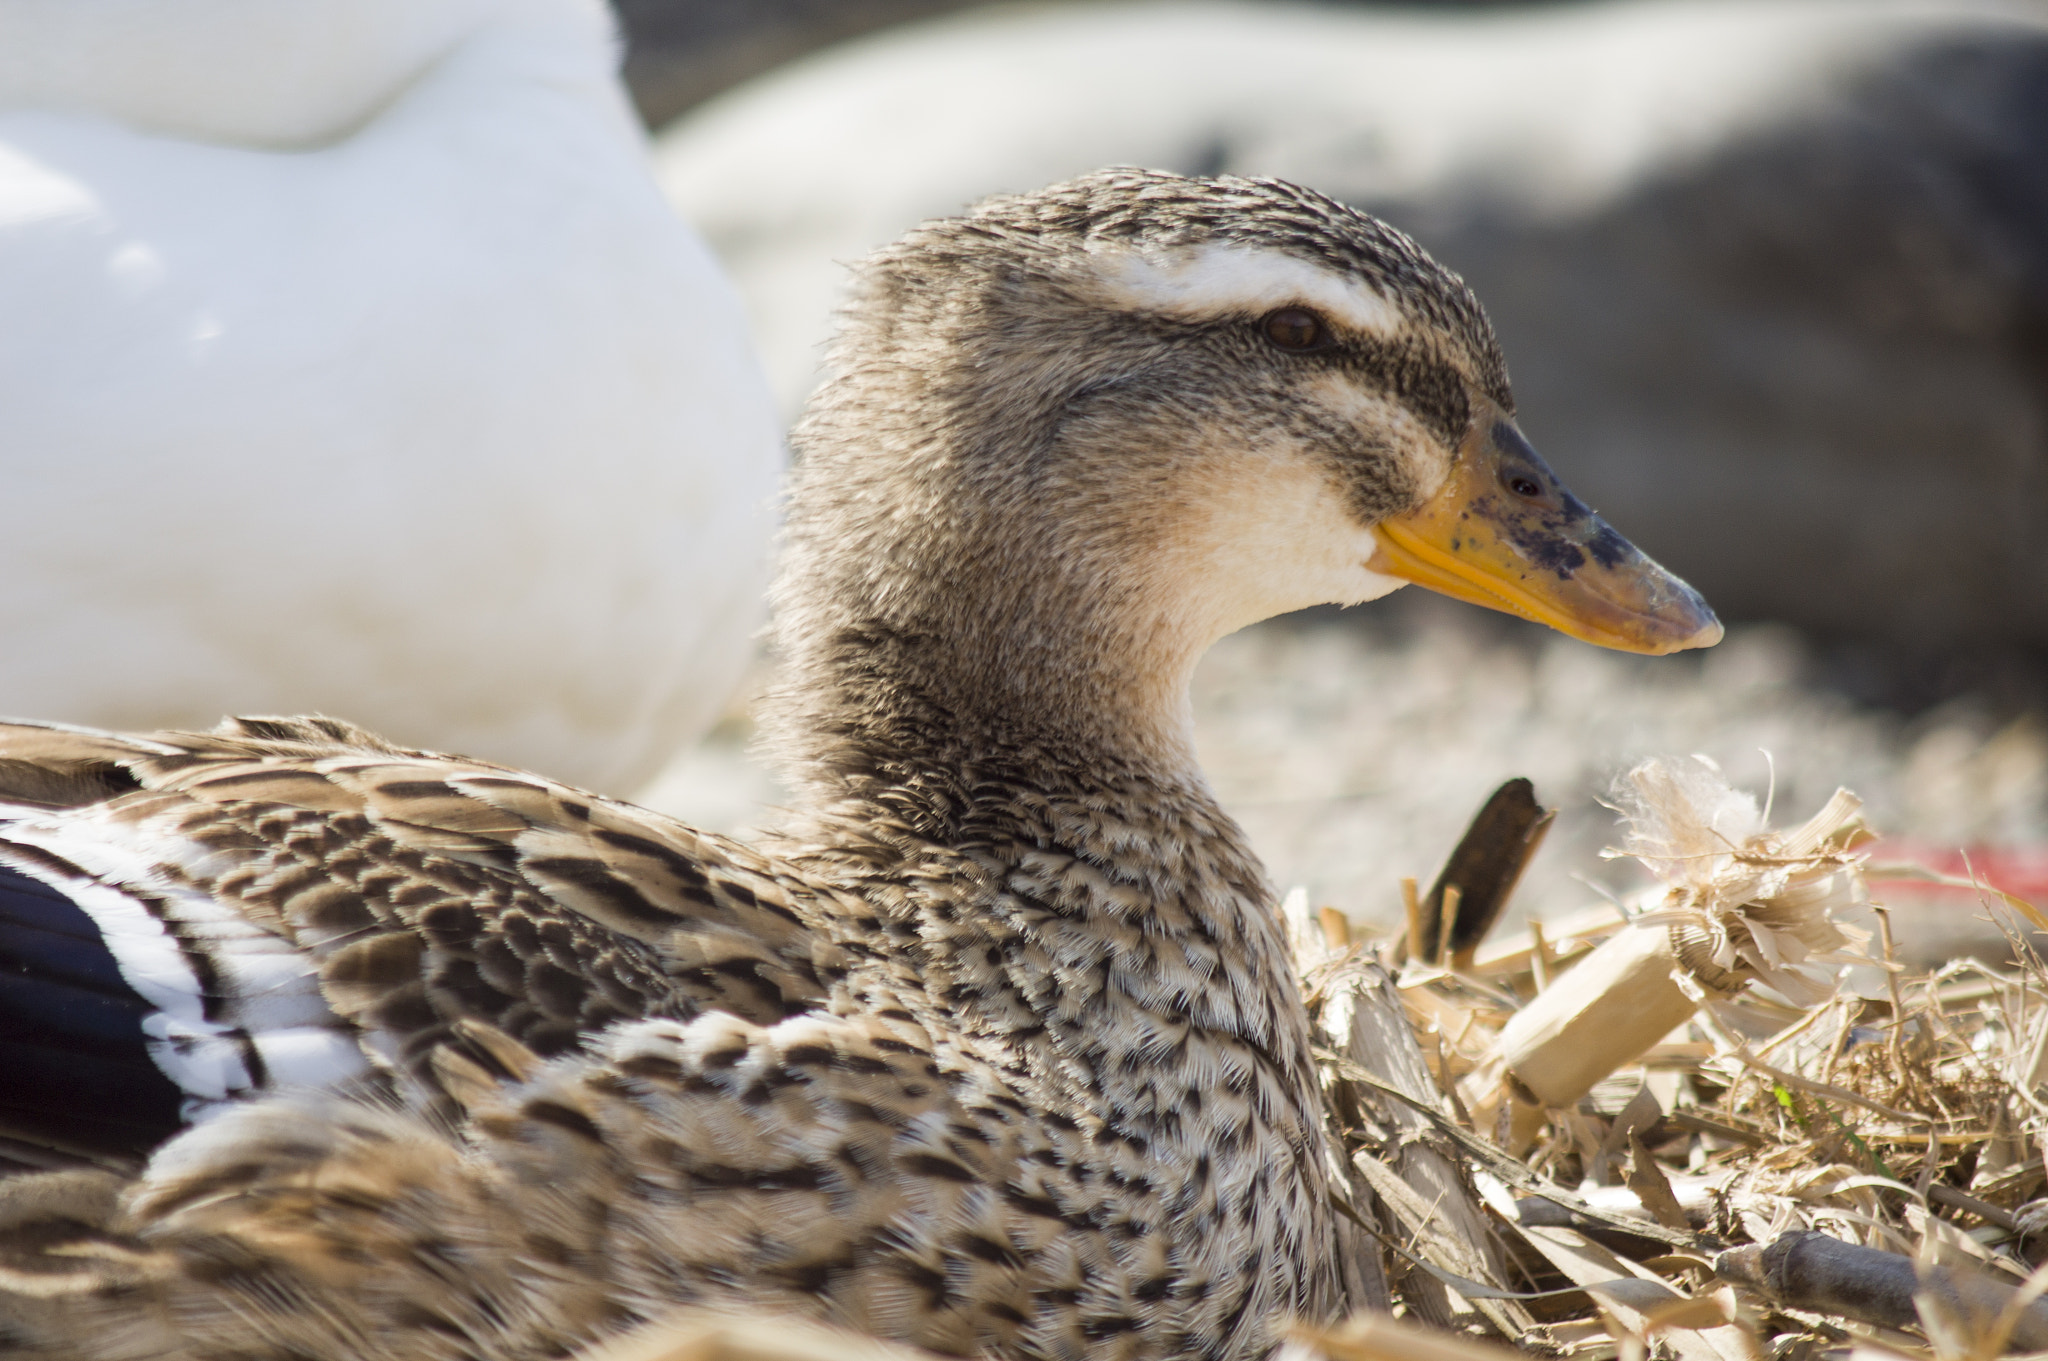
(1526, 487)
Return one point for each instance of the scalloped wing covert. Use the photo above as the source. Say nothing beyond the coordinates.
(315, 903)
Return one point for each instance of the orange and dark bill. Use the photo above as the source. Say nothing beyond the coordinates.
(1505, 533)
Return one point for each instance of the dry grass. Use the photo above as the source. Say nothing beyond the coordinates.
(1890, 1111)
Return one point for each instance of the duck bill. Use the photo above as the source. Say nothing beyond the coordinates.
(1505, 533)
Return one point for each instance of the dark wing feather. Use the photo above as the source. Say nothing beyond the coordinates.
(79, 1079)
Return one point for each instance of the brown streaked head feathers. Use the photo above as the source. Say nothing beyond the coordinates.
(1049, 425)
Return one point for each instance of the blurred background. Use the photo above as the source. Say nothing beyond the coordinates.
(1771, 279)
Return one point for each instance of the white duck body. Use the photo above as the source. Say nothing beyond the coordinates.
(353, 362)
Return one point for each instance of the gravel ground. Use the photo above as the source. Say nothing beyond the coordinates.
(1354, 747)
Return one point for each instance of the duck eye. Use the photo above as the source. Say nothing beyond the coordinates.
(1295, 328)
(1523, 486)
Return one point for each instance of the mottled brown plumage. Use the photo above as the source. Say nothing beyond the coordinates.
(997, 1049)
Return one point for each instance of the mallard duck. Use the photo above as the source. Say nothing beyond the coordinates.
(997, 1048)
(352, 361)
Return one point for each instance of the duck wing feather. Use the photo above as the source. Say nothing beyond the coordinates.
(296, 902)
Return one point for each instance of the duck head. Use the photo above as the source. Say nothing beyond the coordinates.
(1085, 432)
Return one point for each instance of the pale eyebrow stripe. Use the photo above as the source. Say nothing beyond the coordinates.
(1221, 278)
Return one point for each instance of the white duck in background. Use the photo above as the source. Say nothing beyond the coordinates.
(351, 361)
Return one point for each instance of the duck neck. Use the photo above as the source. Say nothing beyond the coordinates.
(941, 630)
(984, 706)
(918, 713)
(1072, 893)
(985, 691)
